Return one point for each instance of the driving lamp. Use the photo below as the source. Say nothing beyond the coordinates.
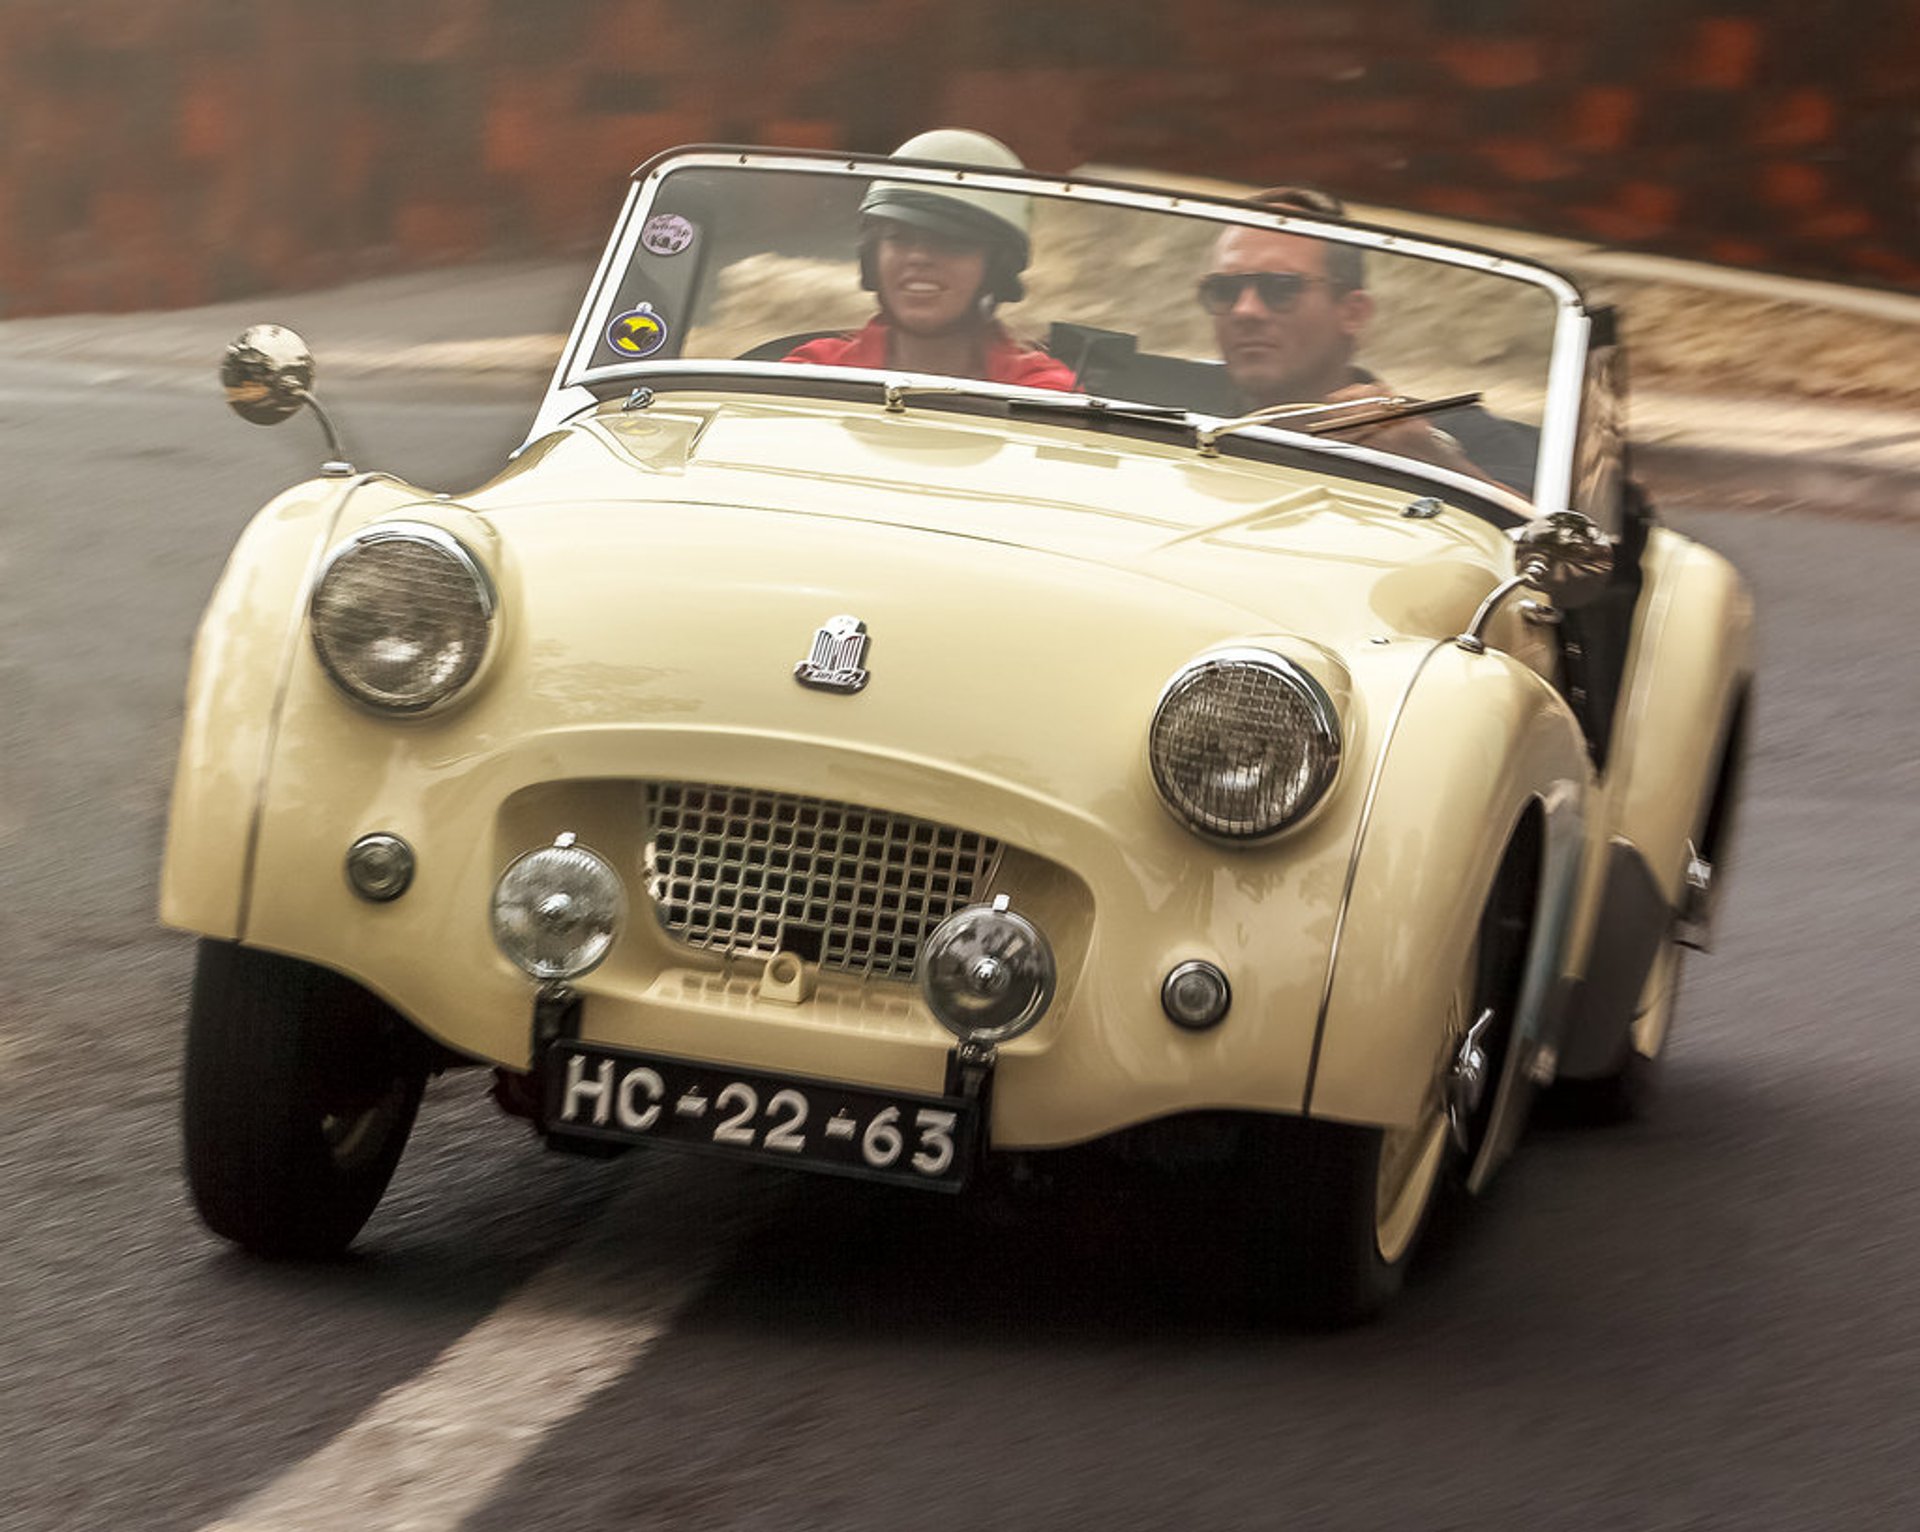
(557, 910)
(987, 973)
(401, 616)
(1243, 744)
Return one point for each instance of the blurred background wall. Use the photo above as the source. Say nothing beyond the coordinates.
(157, 153)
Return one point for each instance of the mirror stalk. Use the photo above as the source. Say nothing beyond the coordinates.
(267, 375)
(336, 465)
(1563, 555)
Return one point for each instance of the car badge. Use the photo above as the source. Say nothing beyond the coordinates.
(838, 660)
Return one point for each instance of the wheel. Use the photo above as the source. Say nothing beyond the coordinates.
(1351, 1216)
(300, 1091)
(1354, 1201)
(1347, 1204)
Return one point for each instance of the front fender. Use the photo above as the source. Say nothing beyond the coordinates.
(1479, 740)
(235, 687)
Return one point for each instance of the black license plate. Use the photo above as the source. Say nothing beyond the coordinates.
(611, 1093)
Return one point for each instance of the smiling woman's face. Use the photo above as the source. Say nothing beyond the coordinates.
(929, 284)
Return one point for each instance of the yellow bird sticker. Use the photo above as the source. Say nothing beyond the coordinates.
(638, 332)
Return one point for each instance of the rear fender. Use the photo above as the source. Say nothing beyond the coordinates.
(1481, 739)
(1692, 665)
(1674, 779)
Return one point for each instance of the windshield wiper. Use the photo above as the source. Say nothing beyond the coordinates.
(1089, 406)
(1330, 419)
(896, 393)
(1094, 406)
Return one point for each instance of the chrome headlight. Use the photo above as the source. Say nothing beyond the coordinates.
(557, 910)
(1243, 744)
(401, 616)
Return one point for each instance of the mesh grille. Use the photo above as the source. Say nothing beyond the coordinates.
(854, 889)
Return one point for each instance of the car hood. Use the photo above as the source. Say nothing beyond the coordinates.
(1334, 559)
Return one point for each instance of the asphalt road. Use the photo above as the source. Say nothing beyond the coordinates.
(1706, 1320)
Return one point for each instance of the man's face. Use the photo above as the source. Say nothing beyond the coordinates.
(929, 285)
(1299, 349)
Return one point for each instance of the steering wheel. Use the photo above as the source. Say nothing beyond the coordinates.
(774, 350)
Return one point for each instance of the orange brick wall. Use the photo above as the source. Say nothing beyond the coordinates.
(169, 152)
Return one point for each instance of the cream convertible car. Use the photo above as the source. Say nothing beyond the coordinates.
(906, 776)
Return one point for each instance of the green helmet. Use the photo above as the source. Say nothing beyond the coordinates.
(997, 220)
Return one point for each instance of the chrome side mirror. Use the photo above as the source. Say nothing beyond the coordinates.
(267, 375)
(1565, 556)
(1562, 555)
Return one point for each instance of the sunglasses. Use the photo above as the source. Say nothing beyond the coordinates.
(1278, 290)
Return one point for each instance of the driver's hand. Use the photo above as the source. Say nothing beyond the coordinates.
(1413, 438)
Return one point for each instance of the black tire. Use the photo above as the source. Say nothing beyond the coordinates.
(1319, 1251)
(300, 1091)
(1325, 1178)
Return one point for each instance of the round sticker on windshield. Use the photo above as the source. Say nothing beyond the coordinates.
(638, 332)
(666, 234)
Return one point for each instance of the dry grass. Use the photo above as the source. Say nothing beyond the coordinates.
(1693, 341)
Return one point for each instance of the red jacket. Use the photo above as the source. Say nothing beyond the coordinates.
(1007, 360)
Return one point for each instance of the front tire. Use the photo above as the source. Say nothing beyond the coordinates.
(1354, 1201)
(1346, 1221)
(300, 1092)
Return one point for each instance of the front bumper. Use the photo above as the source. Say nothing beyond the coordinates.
(1122, 894)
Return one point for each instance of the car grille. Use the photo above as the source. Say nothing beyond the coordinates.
(854, 889)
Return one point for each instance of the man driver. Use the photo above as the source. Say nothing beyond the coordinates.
(1288, 314)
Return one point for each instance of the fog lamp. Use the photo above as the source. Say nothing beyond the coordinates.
(557, 910)
(987, 973)
(380, 867)
(1195, 996)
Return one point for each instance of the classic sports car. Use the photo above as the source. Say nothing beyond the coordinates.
(940, 685)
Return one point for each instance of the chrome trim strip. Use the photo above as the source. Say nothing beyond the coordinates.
(1116, 194)
(1560, 424)
(618, 253)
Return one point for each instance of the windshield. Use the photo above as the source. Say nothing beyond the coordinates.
(1132, 297)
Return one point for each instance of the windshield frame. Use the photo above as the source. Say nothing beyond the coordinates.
(578, 380)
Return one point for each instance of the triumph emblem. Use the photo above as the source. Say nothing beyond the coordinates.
(838, 660)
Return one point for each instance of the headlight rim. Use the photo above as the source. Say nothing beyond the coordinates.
(443, 541)
(1325, 715)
